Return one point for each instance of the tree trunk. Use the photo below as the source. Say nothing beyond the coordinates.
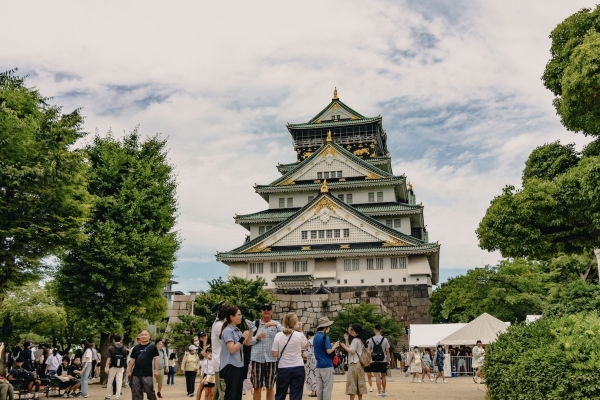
(104, 344)
(597, 252)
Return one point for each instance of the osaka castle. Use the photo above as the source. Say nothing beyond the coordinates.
(338, 218)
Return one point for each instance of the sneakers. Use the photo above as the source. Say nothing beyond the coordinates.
(79, 394)
(445, 381)
(383, 394)
(157, 393)
(370, 388)
(420, 381)
(72, 394)
(66, 395)
(106, 397)
(378, 395)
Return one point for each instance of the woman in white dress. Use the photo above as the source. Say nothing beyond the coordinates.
(415, 363)
(310, 366)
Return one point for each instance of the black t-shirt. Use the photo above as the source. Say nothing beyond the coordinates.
(72, 368)
(25, 354)
(17, 373)
(144, 356)
(462, 353)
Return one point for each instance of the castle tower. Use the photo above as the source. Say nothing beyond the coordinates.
(339, 221)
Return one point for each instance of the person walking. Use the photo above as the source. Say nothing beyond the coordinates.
(163, 367)
(478, 358)
(427, 363)
(143, 364)
(310, 365)
(287, 347)
(415, 364)
(439, 363)
(172, 363)
(215, 344)
(232, 365)
(323, 351)
(355, 377)
(86, 368)
(190, 364)
(264, 366)
(115, 364)
(379, 347)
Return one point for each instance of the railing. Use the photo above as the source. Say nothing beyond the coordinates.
(462, 365)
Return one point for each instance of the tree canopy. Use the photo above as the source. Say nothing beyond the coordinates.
(557, 210)
(43, 196)
(246, 294)
(367, 317)
(573, 71)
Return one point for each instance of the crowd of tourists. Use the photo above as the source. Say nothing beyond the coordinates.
(268, 356)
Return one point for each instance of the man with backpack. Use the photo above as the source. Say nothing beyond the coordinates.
(115, 363)
(380, 356)
(324, 351)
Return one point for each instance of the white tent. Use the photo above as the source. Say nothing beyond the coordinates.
(429, 335)
(532, 318)
(485, 328)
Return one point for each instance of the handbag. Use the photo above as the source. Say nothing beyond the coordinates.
(286, 343)
(365, 356)
(209, 379)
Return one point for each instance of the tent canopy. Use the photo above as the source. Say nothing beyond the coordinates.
(485, 328)
(429, 335)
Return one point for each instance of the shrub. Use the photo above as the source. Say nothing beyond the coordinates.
(552, 358)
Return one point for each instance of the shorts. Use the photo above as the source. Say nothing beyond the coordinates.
(462, 362)
(378, 367)
(263, 374)
(368, 369)
(160, 378)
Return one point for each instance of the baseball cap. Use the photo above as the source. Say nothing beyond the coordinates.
(266, 306)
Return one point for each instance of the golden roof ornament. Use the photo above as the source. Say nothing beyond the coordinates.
(335, 97)
(329, 139)
(324, 187)
(410, 186)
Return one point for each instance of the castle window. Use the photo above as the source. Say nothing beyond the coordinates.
(261, 230)
(304, 235)
(369, 263)
(403, 279)
(362, 281)
(296, 266)
(290, 202)
(329, 233)
(282, 267)
(417, 279)
(281, 202)
(321, 234)
(273, 267)
(346, 232)
(349, 198)
(341, 197)
(303, 266)
(313, 234)
(379, 197)
(339, 174)
(325, 175)
(324, 282)
(311, 198)
(389, 223)
(398, 263)
(382, 280)
(379, 263)
(345, 280)
(332, 174)
(390, 280)
(371, 198)
(347, 265)
(355, 265)
(266, 283)
(338, 281)
(256, 268)
(397, 223)
(336, 233)
(319, 175)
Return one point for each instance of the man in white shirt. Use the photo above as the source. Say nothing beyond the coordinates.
(215, 344)
(380, 352)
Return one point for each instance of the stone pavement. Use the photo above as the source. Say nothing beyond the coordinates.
(398, 387)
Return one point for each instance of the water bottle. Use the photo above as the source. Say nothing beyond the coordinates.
(454, 374)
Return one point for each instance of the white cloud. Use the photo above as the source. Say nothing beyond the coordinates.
(457, 84)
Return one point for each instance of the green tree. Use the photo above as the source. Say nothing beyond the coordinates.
(180, 335)
(247, 294)
(131, 249)
(509, 292)
(575, 297)
(43, 196)
(367, 317)
(573, 71)
(557, 213)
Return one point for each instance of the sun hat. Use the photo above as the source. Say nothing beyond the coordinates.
(192, 347)
(324, 322)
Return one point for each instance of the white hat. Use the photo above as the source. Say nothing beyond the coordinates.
(324, 322)
(192, 347)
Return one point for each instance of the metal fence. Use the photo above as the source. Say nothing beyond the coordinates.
(462, 365)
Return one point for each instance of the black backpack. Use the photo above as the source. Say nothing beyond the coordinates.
(117, 359)
(377, 354)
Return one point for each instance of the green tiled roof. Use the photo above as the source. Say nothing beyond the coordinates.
(284, 168)
(390, 231)
(423, 249)
(337, 147)
(275, 214)
(341, 104)
(332, 124)
(292, 278)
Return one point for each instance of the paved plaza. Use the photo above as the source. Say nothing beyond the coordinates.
(398, 387)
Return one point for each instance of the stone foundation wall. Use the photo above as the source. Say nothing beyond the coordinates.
(406, 304)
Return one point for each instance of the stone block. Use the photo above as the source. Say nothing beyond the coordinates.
(347, 295)
(334, 314)
(300, 305)
(334, 297)
(303, 319)
(315, 304)
(419, 301)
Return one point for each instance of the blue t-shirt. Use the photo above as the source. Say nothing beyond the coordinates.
(321, 343)
(230, 334)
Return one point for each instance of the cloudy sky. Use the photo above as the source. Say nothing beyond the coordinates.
(457, 83)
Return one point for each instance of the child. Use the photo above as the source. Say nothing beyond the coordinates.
(247, 384)
(208, 375)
